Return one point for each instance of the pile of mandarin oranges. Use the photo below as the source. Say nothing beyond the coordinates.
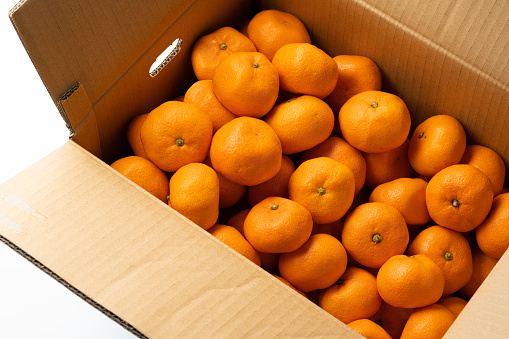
(301, 163)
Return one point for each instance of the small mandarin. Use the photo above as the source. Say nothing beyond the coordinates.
(133, 135)
(232, 237)
(454, 304)
(287, 283)
(368, 329)
(392, 319)
(430, 322)
(492, 234)
(482, 266)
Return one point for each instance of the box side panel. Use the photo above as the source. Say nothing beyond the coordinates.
(148, 266)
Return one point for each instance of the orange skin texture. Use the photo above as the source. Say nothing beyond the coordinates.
(368, 220)
(246, 151)
(274, 187)
(482, 266)
(287, 283)
(133, 135)
(272, 29)
(317, 264)
(194, 193)
(237, 220)
(247, 84)
(356, 74)
(207, 52)
(431, 322)
(305, 69)
(145, 174)
(354, 296)
(301, 123)
(338, 149)
(337, 182)
(435, 242)
(387, 166)
(410, 282)
(392, 319)
(375, 121)
(407, 195)
(333, 228)
(454, 304)
(368, 329)
(464, 185)
(229, 192)
(442, 144)
(169, 122)
(278, 225)
(232, 237)
(493, 234)
(202, 94)
(489, 162)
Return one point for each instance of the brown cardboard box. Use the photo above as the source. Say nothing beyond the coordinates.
(146, 266)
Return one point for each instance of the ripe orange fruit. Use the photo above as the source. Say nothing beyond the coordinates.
(450, 251)
(368, 329)
(333, 228)
(374, 121)
(374, 232)
(301, 123)
(454, 304)
(271, 29)
(387, 166)
(354, 296)
(482, 266)
(493, 234)
(237, 220)
(246, 83)
(133, 135)
(430, 322)
(202, 94)
(438, 142)
(145, 174)
(325, 187)
(229, 192)
(277, 186)
(210, 49)
(317, 264)
(459, 197)
(287, 283)
(246, 151)
(392, 319)
(410, 281)
(407, 195)
(356, 74)
(305, 69)
(175, 134)
(277, 225)
(489, 162)
(194, 193)
(232, 237)
(338, 149)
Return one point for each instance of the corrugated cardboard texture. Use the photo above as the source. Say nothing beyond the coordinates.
(148, 266)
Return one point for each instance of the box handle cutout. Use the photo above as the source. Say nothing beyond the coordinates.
(165, 57)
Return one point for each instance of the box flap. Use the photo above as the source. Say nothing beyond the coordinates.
(144, 265)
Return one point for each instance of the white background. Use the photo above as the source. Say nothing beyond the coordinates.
(32, 304)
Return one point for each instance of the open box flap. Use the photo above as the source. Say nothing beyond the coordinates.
(138, 261)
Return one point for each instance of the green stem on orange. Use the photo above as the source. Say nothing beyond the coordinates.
(321, 191)
(222, 46)
(179, 142)
(377, 238)
(448, 255)
(374, 104)
(274, 207)
(455, 203)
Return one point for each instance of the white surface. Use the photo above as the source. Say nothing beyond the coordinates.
(32, 304)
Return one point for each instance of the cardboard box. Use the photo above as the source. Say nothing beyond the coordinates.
(152, 270)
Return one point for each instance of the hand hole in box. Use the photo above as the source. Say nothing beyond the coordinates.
(165, 57)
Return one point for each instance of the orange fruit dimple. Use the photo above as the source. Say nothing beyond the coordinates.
(305, 69)
(277, 225)
(232, 237)
(194, 192)
(210, 49)
(410, 281)
(145, 174)
(374, 232)
(450, 251)
(133, 135)
(368, 329)
(301, 123)
(246, 83)
(175, 134)
(459, 197)
(246, 151)
(493, 234)
(317, 264)
(438, 142)
(325, 187)
(374, 121)
(430, 322)
(271, 29)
